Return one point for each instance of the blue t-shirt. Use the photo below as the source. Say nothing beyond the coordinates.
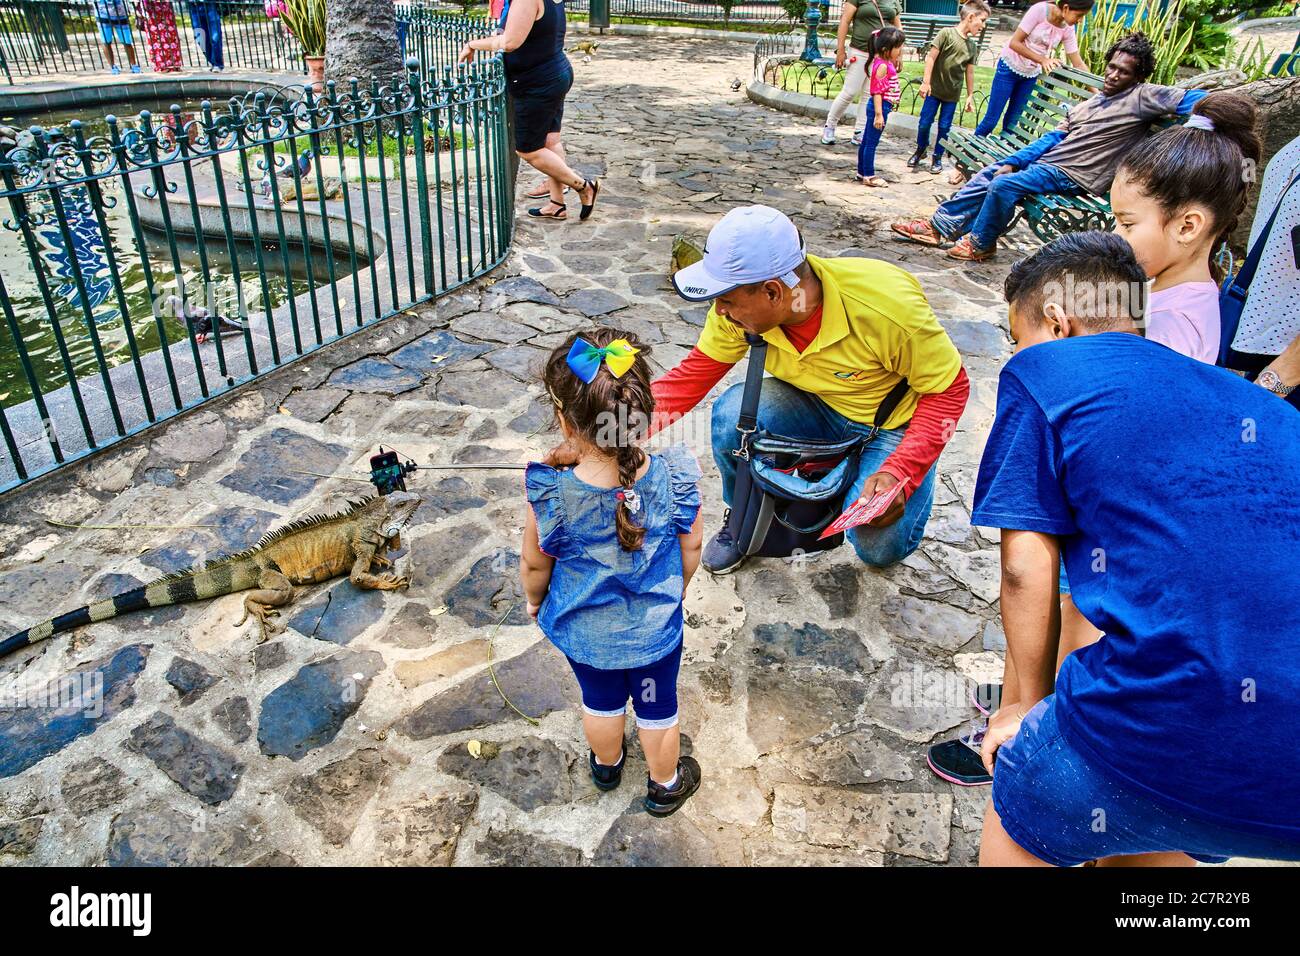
(1175, 489)
(606, 607)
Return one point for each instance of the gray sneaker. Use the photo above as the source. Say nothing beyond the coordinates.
(721, 556)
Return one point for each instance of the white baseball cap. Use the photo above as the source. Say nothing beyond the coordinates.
(749, 244)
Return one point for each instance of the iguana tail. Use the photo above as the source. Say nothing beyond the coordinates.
(227, 576)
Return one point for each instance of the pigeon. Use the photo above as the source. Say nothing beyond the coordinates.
(285, 172)
(201, 320)
(736, 84)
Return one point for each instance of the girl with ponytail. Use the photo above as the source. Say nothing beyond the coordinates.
(1177, 198)
(609, 548)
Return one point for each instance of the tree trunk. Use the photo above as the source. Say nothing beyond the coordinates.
(361, 41)
(1278, 99)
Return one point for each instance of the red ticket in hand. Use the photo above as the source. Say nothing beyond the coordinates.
(860, 512)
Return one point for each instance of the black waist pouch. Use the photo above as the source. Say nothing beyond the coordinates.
(789, 489)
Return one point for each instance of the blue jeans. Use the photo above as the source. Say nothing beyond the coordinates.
(871, 136)
(1009, 91)
(985, 205)
(206, 20)
(786, 410)
(1049, 797)
(929, 108)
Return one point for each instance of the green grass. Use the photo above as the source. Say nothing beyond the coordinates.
(802, 78)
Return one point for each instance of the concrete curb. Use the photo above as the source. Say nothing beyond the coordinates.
(900, 125)
(1264, 22)
(650, 29)
(58, 95)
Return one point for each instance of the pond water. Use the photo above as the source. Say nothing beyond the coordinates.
(89, 246)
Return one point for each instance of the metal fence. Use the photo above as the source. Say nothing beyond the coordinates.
(159, 263)
(777, 63)
(49, 37)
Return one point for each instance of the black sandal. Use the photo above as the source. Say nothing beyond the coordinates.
(536, 212)
(594, 186)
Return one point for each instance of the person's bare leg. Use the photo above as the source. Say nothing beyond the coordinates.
(108, 55)
(1076, 630)
(130, 54)
(546, 161)
(998, 849)
(662, 749)
(605, 737)
(1148, 859)
(554, 144)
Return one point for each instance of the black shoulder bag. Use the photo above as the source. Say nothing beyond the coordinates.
(789, 489)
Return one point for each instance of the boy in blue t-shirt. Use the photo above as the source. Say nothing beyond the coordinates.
(1168, 486)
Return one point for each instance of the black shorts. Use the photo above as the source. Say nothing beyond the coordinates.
(539, 107)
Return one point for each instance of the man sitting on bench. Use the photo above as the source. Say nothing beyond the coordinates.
(1079, 156)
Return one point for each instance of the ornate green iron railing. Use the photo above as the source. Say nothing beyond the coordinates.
(159, 264)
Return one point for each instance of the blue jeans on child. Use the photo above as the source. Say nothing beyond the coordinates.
(786, 410)
(1009, 91)
(653, 689)
(929, 108)
(205, 17)
(1057, 804)
(871, 136)
(985, 206)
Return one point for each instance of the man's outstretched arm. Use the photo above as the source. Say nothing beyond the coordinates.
(1035, 150)
(681, 388)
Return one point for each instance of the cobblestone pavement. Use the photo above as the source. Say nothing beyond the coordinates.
(809, 690)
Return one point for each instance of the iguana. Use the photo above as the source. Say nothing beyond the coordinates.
(305, 551)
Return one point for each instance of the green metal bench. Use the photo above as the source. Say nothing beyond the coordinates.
(921, 28)
(1048, 216)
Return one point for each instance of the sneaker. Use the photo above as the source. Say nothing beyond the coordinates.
(115, 69)
(857, 139)
(958, 761)
(135, 67)
(721, 556)
(916, 157)
(936, 167)
(662, 802)
(987, 698)
(607, 778)
(828, 136)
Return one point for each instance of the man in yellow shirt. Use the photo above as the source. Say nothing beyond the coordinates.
(841, 333)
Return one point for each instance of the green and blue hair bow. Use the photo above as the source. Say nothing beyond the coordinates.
(584, 358)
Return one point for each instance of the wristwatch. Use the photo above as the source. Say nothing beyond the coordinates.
(1269, 379)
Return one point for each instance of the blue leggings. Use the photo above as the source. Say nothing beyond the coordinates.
(653, 689)
(871, 136)
(1010, 91)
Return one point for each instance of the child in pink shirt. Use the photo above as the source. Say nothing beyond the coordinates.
(1176, 198)
(1028, 54)
(887, 53)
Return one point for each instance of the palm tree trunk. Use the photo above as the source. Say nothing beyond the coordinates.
(361, 41)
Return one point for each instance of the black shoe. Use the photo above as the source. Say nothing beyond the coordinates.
(662, 802)
(915, 159)
(721, 556)
(986, 698)
(958, 762)
(936, 167)
(607, 778)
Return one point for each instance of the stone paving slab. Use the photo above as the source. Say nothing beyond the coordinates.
(372, 731)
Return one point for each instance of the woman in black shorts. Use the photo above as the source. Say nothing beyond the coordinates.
(539, 74)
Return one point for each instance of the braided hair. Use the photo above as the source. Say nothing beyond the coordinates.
(609, 414)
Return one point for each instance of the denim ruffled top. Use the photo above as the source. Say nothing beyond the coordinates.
(606, 607)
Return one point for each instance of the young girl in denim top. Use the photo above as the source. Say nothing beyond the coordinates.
(609, 547)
